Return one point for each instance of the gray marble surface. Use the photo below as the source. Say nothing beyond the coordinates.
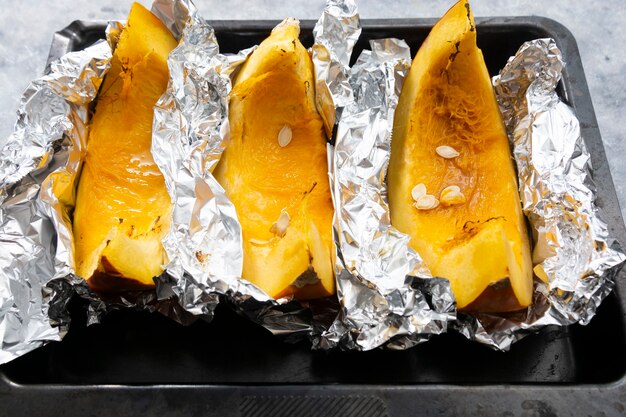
(26, 29)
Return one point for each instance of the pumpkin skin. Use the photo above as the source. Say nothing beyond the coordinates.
(273, 91)
(481, 245)
(122, 207)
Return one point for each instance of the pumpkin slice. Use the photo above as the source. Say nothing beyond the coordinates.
(275, 170)
(452, 185)
(122, 207)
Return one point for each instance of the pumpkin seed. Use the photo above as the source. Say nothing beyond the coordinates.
(451, 188)
(452, 195)
(447, 152)
(418, 191)
(426, 202)
(284, 136)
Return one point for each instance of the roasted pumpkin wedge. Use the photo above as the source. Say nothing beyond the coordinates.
(122, 207)
(275, 170)
(452, 185)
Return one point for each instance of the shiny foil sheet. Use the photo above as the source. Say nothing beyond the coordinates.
(190, 129)
(572, 247)
(35, 242)
(335, 33)
(387, 297)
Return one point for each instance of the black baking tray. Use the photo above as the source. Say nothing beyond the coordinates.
(137, 363)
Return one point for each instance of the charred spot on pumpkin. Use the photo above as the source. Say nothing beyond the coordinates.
(110, 282)
(498, 297)
(456, 52)
(127, 71)
(311, 189)
(472, 227)
(501, 284)
(307, 85)
(156, 226)
(444, 73)
(91, 110)
(469, 17)
(109, 268)
(308, 277)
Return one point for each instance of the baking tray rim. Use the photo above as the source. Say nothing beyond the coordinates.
(500, 393)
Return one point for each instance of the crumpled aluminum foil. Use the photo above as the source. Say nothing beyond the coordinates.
(572, 245)
(387, 297)
(34, 241)
(190, 129)
(336, 32)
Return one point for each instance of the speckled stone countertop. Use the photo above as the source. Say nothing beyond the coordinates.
(26, 28)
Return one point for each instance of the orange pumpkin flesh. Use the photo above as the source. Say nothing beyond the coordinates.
(122, 207)
(448, 100)
(274, 92)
